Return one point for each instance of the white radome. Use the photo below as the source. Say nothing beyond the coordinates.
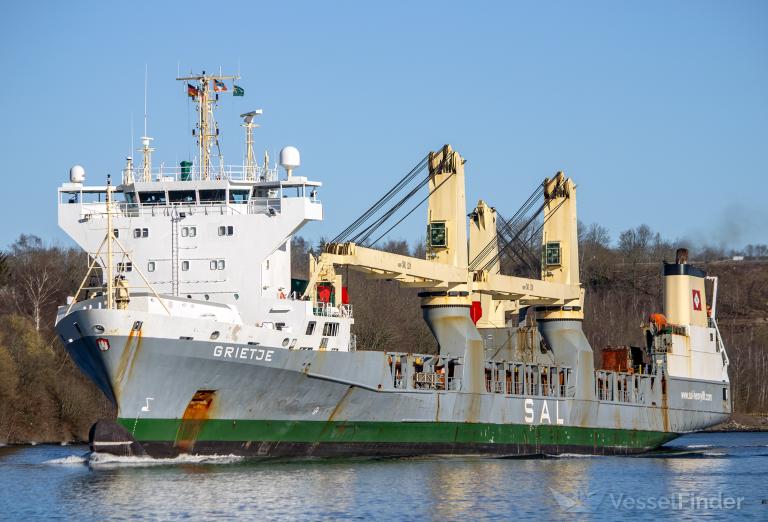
(290, 158)
(77, 174)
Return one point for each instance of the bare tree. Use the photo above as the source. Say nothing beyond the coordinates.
(36, 277)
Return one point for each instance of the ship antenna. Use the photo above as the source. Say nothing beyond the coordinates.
(145, 99)
(146, 150)
(249, 125)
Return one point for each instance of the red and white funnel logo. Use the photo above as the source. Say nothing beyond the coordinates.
(696, 300)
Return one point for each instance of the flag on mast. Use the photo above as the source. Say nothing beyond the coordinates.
(192, 91)
(219, 86)
(238, 91)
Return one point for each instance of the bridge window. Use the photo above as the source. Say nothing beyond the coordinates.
(181, 196)
(152, 198)
(212, 196)
(552, 253)
(238, 196)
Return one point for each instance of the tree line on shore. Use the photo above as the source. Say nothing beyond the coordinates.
(44, 396)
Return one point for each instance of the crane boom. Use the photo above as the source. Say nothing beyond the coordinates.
(450, 285)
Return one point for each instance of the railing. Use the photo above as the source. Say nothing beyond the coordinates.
(625, 387)
(271, 206)
(264, 206)
(528, 379)
(331, 310)
(174, 209)
(230, 172)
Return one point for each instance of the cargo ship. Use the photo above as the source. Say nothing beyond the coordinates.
(189, 321)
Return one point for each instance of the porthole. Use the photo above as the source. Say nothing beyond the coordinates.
(286, 341)
(237, 296)
(215, 335)
(207, 297)
(97, 328)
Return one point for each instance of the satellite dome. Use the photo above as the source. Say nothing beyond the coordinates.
(290, 158)
(77, 174)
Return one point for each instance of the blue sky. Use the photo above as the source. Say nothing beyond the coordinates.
(658, 110)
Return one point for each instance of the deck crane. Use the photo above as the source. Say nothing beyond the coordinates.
(456, 272)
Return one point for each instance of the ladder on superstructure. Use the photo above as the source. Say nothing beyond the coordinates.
(175, 253)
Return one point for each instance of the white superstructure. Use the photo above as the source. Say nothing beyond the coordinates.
(218, 235)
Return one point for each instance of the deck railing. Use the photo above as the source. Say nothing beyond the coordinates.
(230, 172)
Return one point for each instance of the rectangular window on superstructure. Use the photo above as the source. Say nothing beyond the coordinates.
(116, 232)
(151, 266)
(152, 198)
(230, 230)
(311, 327)
(181, 196)
(192, 231)
(238, 196)
(184, 231)
(331, 329)
(226, 230)
(144, 232)
(136, 232)
(212, 196)
(213, 264)
(185, 265)
(220, 264)
(125, 267)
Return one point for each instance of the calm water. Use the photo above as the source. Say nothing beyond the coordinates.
(704, 475)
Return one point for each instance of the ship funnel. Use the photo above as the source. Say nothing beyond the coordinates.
(685, 301)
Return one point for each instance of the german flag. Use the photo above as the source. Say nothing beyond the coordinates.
(192, 91)
(219, 86)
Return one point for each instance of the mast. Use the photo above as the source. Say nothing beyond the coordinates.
(206, 97)
(146, 150)
(110, 239)
(250, 160)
